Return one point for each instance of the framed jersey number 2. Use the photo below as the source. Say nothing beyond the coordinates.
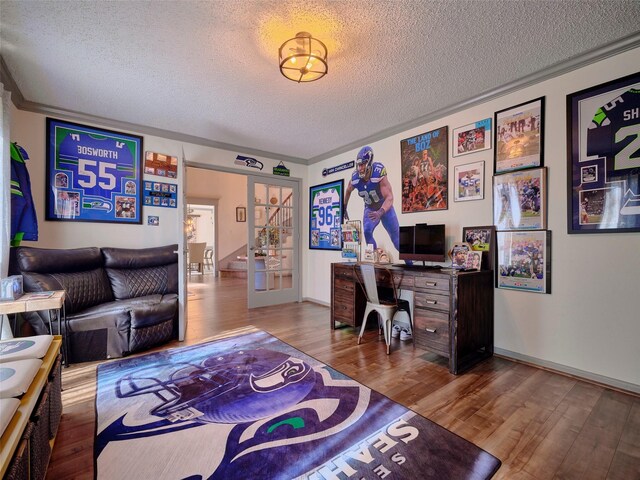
(325, 216)
(603, 139)
(93, 175)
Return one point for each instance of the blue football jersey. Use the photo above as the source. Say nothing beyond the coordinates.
(370, 190)
(98, 164)
(614, 132)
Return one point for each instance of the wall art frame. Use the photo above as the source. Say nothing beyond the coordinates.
(472, 138)
(524, 260)
(603, 157)
(518, 137)
(425, 171)
(326, 210)
(519, 200)
(93, 174)
(469, 182)
(241, 214)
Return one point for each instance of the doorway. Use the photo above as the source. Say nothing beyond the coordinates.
(201, 227)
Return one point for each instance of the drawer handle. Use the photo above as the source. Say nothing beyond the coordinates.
(432, 302)
(431, 284)
(430, 330)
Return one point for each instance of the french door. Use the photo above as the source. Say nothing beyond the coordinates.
(273, 250)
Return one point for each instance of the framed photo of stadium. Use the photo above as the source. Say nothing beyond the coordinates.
(603, 159)
(471, 138)
(325, 216)
(93, 174)
(519, 137)
(519, 200)
(425, 163)
(469, 182)
(524, 261)
(482, 239)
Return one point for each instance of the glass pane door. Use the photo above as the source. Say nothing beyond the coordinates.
(273, 269)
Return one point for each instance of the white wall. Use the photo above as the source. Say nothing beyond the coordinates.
(231, 191)
(590, 321)
(29, 130)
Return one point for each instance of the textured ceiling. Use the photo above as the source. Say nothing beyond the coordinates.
(209, 69)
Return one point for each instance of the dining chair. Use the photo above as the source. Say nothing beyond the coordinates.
(208, 258)
(196, 255)
(382, 298)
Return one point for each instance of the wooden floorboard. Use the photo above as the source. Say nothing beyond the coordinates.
(541, 425)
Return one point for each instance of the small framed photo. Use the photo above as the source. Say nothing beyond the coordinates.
(241, 214)
(471, 138)
(524, 261)
(469, 182)
(482, 239)
(474, 261)
(518, 137)
(153, 220)
(519, 200)
(458, 254)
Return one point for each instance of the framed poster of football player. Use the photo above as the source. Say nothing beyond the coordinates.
(519, 137)
(603, 160)
(424, 161)
(524, 261)
(471, 138)
(519, 200)
(325, 216)
(93, 174)
(469, 180)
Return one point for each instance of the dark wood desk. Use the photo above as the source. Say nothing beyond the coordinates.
(452, 310)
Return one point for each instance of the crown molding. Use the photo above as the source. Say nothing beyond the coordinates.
(614, 48)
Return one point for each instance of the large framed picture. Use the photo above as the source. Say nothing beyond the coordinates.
(424, 162)
(325, 215)
(524, 261)
(93, 174)
(519, 137)
(603, 139)
(482, 239)
(471, 138)
(469, 182)
(519, 200)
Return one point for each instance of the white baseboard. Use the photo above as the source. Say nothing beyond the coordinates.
(318, 302)
(574, 372)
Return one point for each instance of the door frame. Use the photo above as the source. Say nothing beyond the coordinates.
(212, 202)
(257, 299)
(263, 177)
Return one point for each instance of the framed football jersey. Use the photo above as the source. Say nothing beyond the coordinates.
(93, 174)
(325, 216)
(603, 130)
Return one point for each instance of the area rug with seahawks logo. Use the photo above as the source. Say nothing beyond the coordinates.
(248, 406)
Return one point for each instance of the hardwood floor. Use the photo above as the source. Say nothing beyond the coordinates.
(540, 424)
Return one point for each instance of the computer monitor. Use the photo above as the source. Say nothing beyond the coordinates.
(423, 242)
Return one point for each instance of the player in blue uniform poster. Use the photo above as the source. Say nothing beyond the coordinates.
(370, 179)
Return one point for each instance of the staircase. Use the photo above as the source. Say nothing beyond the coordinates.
(235, 264)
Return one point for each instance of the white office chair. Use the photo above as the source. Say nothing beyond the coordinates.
(385, 308)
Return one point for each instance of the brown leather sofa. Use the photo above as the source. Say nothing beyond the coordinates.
(118, 301)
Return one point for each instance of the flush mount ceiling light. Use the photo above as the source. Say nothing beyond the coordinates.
(303, 58)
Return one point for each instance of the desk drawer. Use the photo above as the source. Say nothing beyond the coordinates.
(343, 271)
(431, 301)
(433, 283)
(342, 285)
(432, 331)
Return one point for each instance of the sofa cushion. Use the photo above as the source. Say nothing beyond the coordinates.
(84, 289)
(141, 272)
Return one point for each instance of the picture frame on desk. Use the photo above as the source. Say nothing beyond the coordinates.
(482, 239)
